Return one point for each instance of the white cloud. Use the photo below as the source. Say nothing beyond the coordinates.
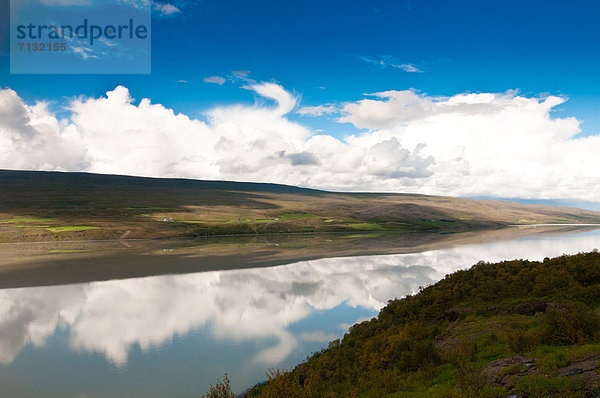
(317, 110)
(85, 52)
(345, 326)
(163, 9)
(285, 101)
(215, 79)
(389, 61)
(66, 2)
(318, 336)
(109, 43)
(137, 3)
(166, 9)
(395, 108)
(497, 144)
(486, 144)
(240, 74)
(410, 68)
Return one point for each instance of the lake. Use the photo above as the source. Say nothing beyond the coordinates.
(163, 331)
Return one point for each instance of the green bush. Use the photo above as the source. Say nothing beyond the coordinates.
(281, 384)
(470, 380)
(520, 341)
(570, 324)
(465, 351)
(220, 390)
(396, 353)
(545, 387)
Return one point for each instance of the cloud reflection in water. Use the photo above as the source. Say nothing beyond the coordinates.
(239, 305)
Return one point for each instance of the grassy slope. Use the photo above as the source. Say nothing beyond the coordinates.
(39, 206)
(516, 327)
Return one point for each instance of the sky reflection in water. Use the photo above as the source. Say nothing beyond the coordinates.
(174, 334)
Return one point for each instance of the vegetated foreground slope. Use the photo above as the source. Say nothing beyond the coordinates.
(38, 206)
(515, 328)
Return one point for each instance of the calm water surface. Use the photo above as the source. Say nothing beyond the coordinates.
(173, 335)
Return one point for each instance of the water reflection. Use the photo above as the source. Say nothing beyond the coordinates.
(273, 312)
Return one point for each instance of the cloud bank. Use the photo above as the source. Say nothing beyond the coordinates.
(486, 144)
(317, 110)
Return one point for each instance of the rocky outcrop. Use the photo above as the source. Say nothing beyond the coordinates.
(505, 372)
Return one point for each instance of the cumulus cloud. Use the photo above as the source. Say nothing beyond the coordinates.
(499, 143)
(31, 137)
(215, 79)
(484, 144)
(317, 110)
(301, 158)
(391, 108)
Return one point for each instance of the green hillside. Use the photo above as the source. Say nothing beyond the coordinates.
(516, 328)
(53, 206)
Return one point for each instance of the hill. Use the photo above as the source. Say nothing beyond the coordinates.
(42, 206)
(516, 328)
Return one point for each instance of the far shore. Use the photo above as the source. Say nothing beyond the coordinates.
(57, 263)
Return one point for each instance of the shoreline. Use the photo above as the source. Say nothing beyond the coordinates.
(79, 262)
(307, 233)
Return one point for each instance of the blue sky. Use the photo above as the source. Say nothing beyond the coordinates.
(330, 53)
(535, 46)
